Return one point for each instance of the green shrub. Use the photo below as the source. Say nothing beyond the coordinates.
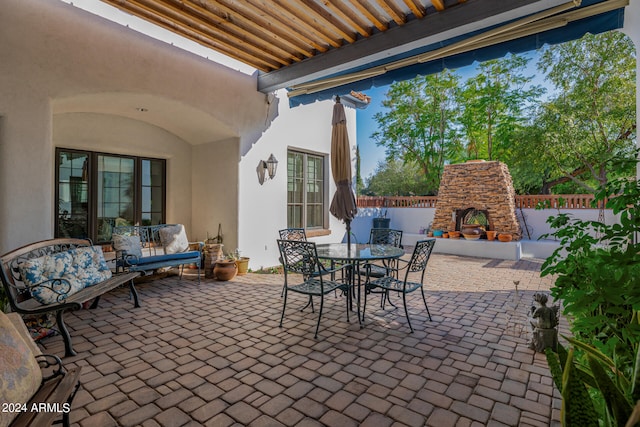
(597, 270)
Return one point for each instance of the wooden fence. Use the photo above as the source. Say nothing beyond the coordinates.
(555, 201)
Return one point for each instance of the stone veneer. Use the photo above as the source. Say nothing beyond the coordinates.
(480, 185)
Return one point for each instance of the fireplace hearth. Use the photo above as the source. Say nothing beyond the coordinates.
(479, 217)
(477, 192)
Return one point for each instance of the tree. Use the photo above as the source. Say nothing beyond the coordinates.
(493, 102)
(418, 127)
(586, 132)
(395, 178)
(359, 182)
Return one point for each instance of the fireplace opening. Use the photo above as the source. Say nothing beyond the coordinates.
(478, 217)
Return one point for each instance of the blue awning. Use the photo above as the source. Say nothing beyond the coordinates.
(573, 30)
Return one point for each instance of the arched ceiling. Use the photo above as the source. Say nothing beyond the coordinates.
(186, 122)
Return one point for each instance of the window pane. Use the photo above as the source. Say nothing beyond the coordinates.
(115, 194)
(156, 199)
(314, 216)
(152, 195)
(72, 196)
(305, 185)
(294, 216)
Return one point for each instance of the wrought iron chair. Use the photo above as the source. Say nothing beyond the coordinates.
(382, 236)
(301, 257)
(293, 234)
(392, 282)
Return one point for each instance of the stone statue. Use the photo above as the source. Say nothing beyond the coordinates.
(544, 323)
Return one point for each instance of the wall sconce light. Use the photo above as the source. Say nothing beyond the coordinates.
(269, 166)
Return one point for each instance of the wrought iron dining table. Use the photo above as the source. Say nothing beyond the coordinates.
(356, 255)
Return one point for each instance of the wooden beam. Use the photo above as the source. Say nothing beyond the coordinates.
(262, 35)
(279, 20)
(416, 8)
(369, 12)
(306, 24)
(348, 17)
(258, 61)
(208, 24)
(438, 4)
(323, 19)
(392, 10)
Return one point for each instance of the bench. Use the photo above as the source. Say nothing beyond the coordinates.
(32, 379)
(57, 275)
(146, 248)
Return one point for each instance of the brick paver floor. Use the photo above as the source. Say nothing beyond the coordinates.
(213, 355)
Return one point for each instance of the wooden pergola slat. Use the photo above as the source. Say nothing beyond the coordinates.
(279, 36)
(261, 35)
(256, 61)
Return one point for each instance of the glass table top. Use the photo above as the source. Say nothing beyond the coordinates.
(358, 252)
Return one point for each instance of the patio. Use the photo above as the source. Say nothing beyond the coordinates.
(213, 355)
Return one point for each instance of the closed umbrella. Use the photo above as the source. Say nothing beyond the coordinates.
(343, 206)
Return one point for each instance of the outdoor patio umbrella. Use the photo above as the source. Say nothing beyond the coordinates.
(343, 206)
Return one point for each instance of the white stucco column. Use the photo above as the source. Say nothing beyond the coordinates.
(26, 170)
(632, 29)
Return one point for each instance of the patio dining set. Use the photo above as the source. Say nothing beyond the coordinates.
(351, 270)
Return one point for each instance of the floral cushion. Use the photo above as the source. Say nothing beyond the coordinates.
(174, 239)
(78, 268)
(20, 375)
(91, 268)
(129, 244)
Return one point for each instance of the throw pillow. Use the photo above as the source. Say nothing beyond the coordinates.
(174, 239)
(37, 273)
(20, 375)
(129, 244)
(91, 268)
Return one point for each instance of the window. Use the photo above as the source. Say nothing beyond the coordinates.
(97, 191)
(306, 195)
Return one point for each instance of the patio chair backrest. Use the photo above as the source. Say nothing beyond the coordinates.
(293, 234)
(420, 256)
(299, 257)
(385, 236)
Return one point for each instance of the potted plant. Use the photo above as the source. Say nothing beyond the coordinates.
(225, 269)
(242, 262)
(381, 221)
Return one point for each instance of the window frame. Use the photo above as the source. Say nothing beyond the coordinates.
(324, 159)
(92, 189)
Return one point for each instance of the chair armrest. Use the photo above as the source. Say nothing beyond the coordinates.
(50, 284)
(51, 366)
(126, 257)
(325, 270)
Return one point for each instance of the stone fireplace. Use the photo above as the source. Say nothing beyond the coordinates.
(477, 192)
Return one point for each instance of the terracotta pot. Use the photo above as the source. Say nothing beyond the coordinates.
(505, 237)
(225, 270)
(454, 234)
(491, 234)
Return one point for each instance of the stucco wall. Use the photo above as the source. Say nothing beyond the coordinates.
(216, 191)
(263, 208)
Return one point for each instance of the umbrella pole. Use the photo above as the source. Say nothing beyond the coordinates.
(348, 222)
